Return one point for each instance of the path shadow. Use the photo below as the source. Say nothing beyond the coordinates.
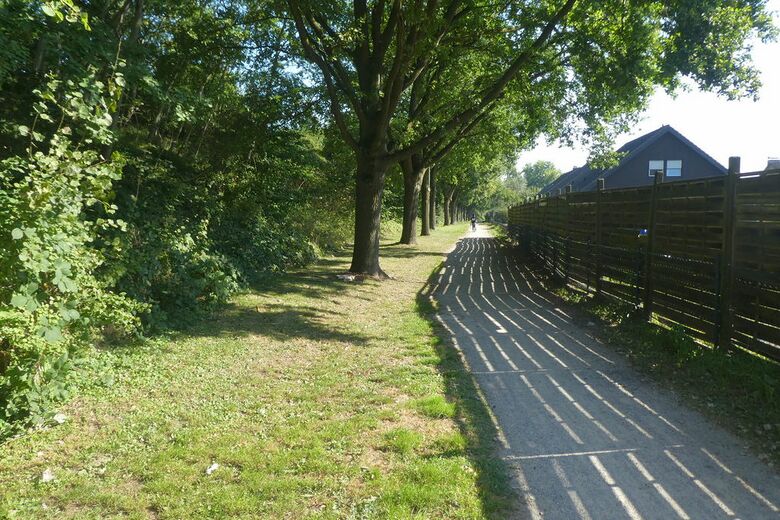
(497, 497)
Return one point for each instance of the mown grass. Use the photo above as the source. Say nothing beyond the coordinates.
(739, 390)
(306, 397)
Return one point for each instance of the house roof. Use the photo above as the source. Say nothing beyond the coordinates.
(585, 178)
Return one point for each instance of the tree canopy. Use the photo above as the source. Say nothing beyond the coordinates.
(539, 174)
(156, 156)
(568, 67)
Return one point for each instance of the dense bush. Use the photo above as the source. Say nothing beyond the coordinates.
(54, 202)
(137, 201)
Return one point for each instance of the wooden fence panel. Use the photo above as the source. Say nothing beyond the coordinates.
(600, 240)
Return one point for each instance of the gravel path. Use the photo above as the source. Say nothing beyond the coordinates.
(584, 434)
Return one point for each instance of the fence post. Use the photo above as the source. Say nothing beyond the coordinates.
(567, 239)
(555, 206)
(597, 273)
(727, 254)
(647, 304)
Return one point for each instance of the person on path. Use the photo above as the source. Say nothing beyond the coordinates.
(473, 222)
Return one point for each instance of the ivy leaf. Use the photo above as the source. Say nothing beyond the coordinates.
(17, 234)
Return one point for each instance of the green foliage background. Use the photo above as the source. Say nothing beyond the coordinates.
(157, 156)
(143, 184)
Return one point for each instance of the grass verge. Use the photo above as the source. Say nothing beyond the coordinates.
(307, 397)
(738, 390)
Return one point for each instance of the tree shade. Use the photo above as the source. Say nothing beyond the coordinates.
(156, 156)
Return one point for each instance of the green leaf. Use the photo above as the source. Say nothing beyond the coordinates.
(23, 130)
(31, 305)
(53, 334)
(19, 300)
(48, 10)
(85, 21)
(17, 234)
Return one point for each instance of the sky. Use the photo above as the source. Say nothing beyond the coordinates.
(745, 128)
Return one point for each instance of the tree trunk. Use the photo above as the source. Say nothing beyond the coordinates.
(369, 185)
(449, 206)
(413, 178)
(432, 198)
(40, 50)
(453, 211)
(426, 203)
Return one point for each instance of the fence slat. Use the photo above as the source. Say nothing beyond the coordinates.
(711, 258)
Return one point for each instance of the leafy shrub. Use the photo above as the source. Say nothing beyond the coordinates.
(257, 245)
(175, 271)
(188, 245)
(54, 202)
(679, 344)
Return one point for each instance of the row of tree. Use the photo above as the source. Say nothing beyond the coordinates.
(156, 155)
(407, 81)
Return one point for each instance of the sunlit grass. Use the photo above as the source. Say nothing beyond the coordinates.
(402, 440)
(435, 406)
(307, 397)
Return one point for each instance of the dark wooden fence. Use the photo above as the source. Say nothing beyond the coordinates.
(703, 254)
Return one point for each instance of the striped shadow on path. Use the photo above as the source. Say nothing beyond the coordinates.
(584, 436)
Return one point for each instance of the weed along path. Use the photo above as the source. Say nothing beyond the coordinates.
(584, 435)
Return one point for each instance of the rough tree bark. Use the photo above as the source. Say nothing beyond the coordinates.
(449, 206)
(432, 198)
(369, 186)
(426, 203)
(414, 172)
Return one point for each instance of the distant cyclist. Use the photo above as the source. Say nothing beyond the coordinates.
(473, 222)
